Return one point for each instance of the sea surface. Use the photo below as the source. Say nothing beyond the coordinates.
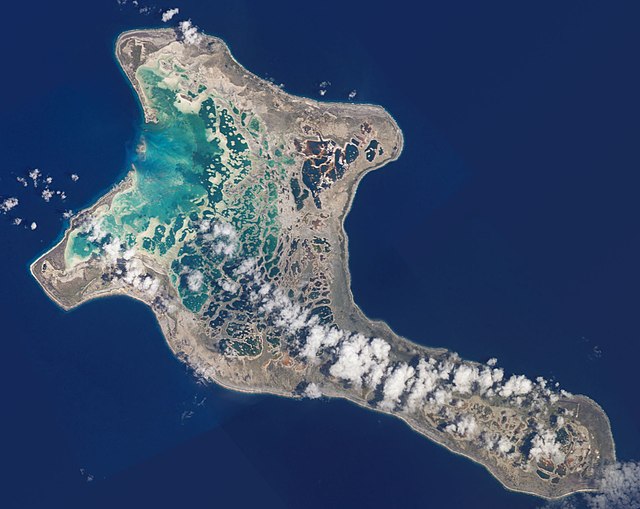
(508, 228)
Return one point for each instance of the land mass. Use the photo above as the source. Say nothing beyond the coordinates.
(230, 226)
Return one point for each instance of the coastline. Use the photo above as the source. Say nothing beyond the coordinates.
(352, 191)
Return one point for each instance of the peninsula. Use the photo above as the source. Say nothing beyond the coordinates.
(230, 227)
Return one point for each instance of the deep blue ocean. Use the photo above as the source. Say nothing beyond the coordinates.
(508, 228)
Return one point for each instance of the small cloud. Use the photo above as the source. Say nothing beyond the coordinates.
(75, 177)
(323, 87)
(34, 225)
(352, 95)
(312, 391)
(8, 204)
(195, 280)
(619, 488)
(189, 31)
(517, 385)
(169, 14)
(35, 175)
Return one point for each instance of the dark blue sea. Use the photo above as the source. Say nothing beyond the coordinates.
(508, 228)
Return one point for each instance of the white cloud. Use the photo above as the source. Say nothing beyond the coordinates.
(136, 275)
(361, 360)
(464, 378)
(221, 237)
(22, 181)
(485, 380)
(17, 221)
(169, 14)
(34, 225)
(112, 249)
(517, 385)
(195, 280)
(229, 286)
(190, 33)
(246, 267)
(47, 194)
(319, 338)
(467, 426)
(352, 94)
(35, 175)
(8, 204)
(284, 313)
(545, 446)
(75, 177)
(619, 489)
(93, 229)
(505, 445)
(441, 397)
(424, 383)
(312, 391)
(395, 385)
(323, 87)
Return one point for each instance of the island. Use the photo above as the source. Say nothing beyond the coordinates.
(230, 226)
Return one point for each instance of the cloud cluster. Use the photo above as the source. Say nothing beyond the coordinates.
(323, 87)
(35, 175)
(123, 261)
(517, 385)
(395, 385)
(220, 237)
(362, 360)
(189, 32)
(465, 426)
(136, 275)
(312, 391)
(544, 446)
(435, 384)
(92, 227)
(169, 14)
(195, 280)
(619, 488)
(366, 362)
(8, 204)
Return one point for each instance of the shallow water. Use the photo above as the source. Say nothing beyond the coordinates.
(506, 229)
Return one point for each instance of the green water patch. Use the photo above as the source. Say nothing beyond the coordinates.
(204, 165)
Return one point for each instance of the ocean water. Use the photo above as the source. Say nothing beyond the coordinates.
(508, 228)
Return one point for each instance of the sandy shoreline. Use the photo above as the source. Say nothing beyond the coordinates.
(129, 181)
